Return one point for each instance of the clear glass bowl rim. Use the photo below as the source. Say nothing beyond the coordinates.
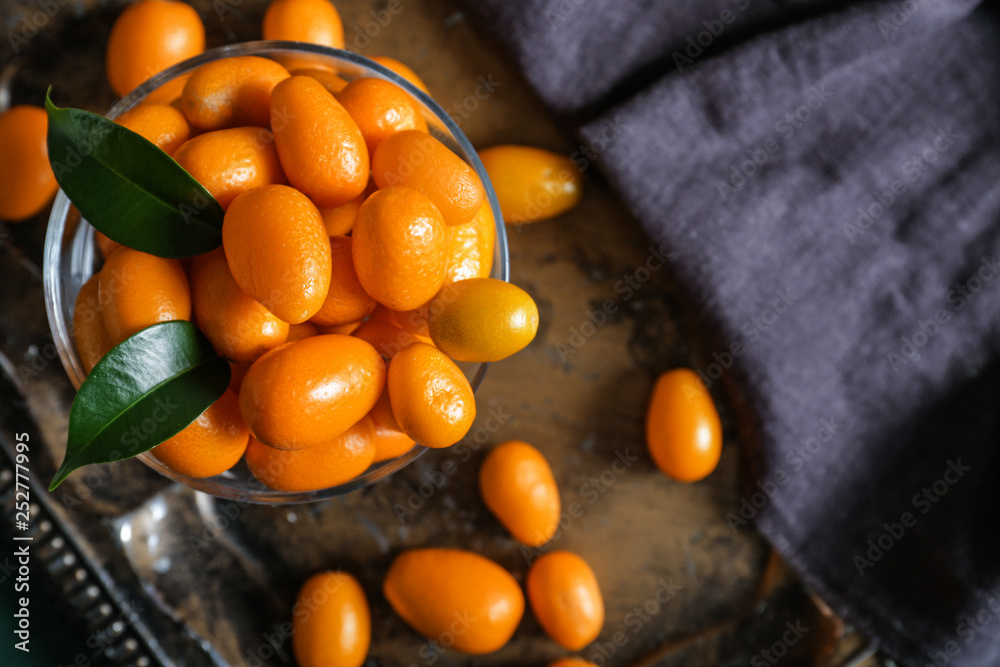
(54, 296)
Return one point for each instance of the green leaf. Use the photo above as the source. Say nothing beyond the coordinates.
(128, 188)
(143, 392)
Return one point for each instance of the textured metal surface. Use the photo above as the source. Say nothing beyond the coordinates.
(111, 623)
(63, 553)
(682, 587)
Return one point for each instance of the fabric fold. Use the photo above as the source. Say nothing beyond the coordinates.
(827, 180)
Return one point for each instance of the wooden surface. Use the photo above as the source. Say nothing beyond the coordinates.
(222, 577)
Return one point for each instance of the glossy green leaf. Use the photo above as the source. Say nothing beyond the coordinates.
(143, 392)
(128, 188)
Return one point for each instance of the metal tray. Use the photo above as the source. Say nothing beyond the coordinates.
(172, 577)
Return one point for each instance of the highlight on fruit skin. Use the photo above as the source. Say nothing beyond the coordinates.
(148, 37)
(239, 328)
(683, 430)
(518, 487)
(137, 290)
(400, 247)
(566, 599)
(380, 109)
(431, 588)
(482, 319)
(231, 92)
(27, 182)
(278, 251)
(447, 180)
(159, 123)
(311, 21)
(431, 398)
(532, 184)
(323, 152)
(331, 622)
(303, 395)
(232, 161)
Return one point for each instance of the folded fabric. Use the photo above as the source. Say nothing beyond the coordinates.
(827, 177)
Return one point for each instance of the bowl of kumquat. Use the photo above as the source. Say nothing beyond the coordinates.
(356, 291)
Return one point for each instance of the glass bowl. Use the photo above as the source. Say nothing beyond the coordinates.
(71, 254)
